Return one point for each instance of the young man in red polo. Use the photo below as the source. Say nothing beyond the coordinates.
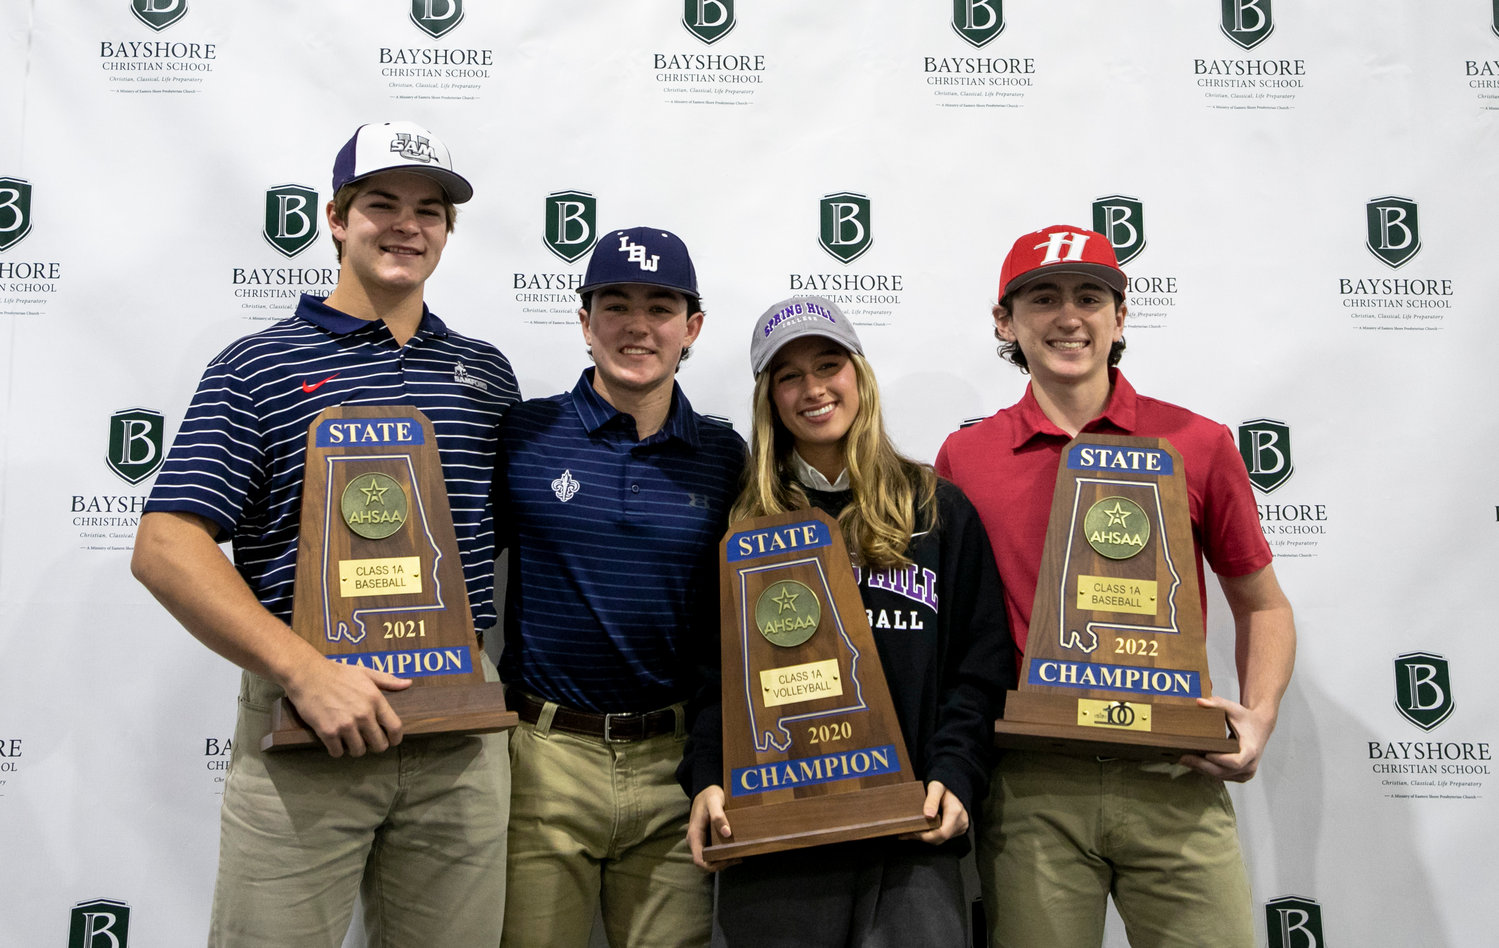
(1059, 834)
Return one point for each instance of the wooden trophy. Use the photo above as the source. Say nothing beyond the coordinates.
(812, 749)
(1116, 656)
(379, 582)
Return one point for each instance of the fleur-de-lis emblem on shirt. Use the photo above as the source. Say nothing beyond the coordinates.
(565, 487)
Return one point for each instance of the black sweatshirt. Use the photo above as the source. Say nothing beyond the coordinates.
(939, 626)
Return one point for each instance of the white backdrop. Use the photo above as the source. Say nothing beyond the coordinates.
(1243, 141)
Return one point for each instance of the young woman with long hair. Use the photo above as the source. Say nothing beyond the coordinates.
(929, 585)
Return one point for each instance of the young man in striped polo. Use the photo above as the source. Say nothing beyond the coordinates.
(617, 493)
(420, 826)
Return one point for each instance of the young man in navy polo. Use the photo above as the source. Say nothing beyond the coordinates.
(1060, 834)
(418, 827)
(618, 494)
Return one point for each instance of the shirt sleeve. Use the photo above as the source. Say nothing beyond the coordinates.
(978, 660)
(216, 467)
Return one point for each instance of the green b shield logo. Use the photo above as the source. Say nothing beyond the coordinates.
(1393, 234)
(15, 211)
(291, 213)
(1265, 446)
(136, 437)
(102, 923)
(708, 20)
(158, 14)
(436, 17)
(1247, 22)
(846, 231)
(1122, 220)
(1294, 922)
(1423, 691)
(570, 227)
(979, 21)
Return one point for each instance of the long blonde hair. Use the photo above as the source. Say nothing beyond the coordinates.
(891, 492)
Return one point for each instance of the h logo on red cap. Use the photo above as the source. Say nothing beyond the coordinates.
(1056, 242)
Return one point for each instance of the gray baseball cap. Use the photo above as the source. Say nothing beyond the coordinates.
(795, 317)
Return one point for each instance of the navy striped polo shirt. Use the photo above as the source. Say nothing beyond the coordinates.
(238, 456)
(613, 548)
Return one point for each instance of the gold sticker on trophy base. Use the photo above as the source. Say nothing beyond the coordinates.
(787, 613)
(1113, 594)
(395, 576)
(1116, 527)
(807, 682)
(1120, 715)
(374, 505)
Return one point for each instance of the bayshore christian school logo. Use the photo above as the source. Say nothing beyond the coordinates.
(1122, 220)
(158, 14)
(15, 211)
(571, 230)
(436, 17)
(708, 20)
(1394, 236)
(1293, 921)
(100, 923)
(290, 218)
(1423, 689)
(846, 231)
(979, 21)
(1265, 446)
(136, 437)
(1247, 22)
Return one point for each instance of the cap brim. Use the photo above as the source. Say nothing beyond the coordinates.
(455, 186)
(1108, 276)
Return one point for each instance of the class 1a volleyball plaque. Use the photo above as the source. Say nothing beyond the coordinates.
(379, 582)
(1116, 654)
(812, 748)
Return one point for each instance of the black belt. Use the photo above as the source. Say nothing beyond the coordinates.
(612, 728)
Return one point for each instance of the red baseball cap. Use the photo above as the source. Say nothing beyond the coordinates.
(1061, 248)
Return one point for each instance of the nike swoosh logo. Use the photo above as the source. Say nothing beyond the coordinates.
(309, 389)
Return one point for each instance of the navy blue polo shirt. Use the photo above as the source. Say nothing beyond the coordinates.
(238, 457)
(613, 548)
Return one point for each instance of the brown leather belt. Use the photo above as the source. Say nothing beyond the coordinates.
(612, 728)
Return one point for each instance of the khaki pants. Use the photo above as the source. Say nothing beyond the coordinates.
(419, 831)
(596, 826)
(1060, 834)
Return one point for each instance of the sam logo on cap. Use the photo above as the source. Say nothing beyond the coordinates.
(1393, 233)
(1247, 22)
(15, 211)
(978, 21)
(158, 14)
(436, 17)
(708, 20)
(846, 231)
(290, 218)
(1122, 220)
(414, 147)
(570, 228)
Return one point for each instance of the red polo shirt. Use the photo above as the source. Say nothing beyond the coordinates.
(1007, 465)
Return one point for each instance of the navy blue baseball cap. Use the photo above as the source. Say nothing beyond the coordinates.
(641, 255)
(399, 146)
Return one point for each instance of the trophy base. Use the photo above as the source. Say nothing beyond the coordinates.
(453, 709)
(1048, 722)
(815, 821)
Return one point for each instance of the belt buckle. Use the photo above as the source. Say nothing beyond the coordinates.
(609, 737)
